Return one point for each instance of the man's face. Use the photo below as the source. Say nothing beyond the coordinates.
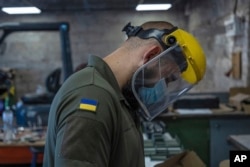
(155, 71)
(159, 82)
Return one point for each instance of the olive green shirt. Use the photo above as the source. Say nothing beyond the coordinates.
(91, 124)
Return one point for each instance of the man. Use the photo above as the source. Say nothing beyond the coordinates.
(94, 118)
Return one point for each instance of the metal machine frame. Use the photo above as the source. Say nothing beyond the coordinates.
(62, 27)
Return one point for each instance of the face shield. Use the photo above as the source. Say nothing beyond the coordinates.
(166, 77)
(159, 82)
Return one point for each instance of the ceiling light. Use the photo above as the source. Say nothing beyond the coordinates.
(148, 7)
(21, 10)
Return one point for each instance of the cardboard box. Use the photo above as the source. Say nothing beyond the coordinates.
(185, 159)
(224, 163)
(235, 90)
(246, 105)
(236, 100)
(239, 97)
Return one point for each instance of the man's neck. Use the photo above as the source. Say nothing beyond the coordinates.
(122, 65)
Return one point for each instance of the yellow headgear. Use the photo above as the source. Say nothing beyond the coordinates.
(195, 56)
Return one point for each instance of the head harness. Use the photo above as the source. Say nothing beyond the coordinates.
(151, 33)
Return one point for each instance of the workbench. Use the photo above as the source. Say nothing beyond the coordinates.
(207, 133)
(23, 151)
(240, 142)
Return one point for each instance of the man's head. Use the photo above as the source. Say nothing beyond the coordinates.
(153, 45)
(172, 63)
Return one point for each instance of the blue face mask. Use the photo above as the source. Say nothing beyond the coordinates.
(154, 94)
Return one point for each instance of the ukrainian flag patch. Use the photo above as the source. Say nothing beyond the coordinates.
(88, 104)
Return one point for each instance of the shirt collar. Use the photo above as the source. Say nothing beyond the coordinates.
(102, 67)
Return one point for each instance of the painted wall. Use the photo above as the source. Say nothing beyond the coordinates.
(206, 21)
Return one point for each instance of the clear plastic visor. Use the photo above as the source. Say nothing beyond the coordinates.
(159, 83)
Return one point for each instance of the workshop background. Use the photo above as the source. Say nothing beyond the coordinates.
(95, 28)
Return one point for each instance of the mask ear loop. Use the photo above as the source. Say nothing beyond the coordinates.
(159, 67)
(143, 77)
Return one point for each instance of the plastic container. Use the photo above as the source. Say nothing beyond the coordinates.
(7, 117)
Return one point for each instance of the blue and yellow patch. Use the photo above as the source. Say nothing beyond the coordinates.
(88, 104)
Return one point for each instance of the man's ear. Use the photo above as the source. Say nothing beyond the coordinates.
(151, 52)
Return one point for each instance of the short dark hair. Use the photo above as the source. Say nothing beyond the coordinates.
(157, 25)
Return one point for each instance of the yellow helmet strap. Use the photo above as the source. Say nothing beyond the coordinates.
(151, 33)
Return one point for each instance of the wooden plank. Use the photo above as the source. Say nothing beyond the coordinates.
(236, 65)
